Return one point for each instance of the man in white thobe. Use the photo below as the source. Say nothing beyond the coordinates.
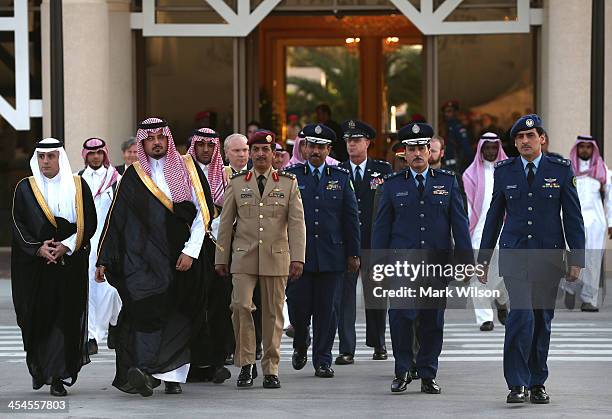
(478, 184)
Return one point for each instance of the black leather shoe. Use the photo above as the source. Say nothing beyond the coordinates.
(140, 381)
(324, 371)
(247, 374)
(570, 300)
(486, 327)
(414, 374)
(538, 395)
(92, 347)
(502, 313)
(229, 360)
(589, 308)
(221, 374)
(345, 359)
(518, 394)
(258, 353)
(400, 384)
(271, 381)
(299, 358)
(430, 386)
(111, 339)
(172, 387)
(57, 389)
(380, 354)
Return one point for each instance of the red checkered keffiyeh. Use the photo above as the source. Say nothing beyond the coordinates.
(215, 168)
(175, 172)
(93, 144)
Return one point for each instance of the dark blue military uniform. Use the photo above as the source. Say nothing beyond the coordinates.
(366, 178)
(332, 235)
(375, 171)
(405, 219)
(533, 222)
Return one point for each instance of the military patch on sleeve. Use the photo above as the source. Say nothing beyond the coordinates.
(574, 181)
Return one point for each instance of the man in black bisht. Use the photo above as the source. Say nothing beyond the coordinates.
(208, 350)
(148, 251)
(53, 220)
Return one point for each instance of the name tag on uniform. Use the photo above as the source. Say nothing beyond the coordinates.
(333, 185)
(276, 193)
(511, 186)
(402, 193)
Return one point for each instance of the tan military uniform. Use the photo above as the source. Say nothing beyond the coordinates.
(270, 233)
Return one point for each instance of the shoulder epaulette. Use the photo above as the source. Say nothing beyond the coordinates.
(504, 162)
(240, 173)
(394, 174)
(340, 169)
(294, 166)
(559, 161)
(383, 162)
(445, 172)
(286, 174)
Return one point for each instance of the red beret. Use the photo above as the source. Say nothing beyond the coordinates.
(262, 136)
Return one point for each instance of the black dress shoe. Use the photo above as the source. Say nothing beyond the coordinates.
(247, 374)
(345, 359)
(430, 386)
(92, 347)
(229, 360)
(172, 387)
(486, 327)
(111, 339)
(414, 374)
(271, 381)
(221, 374)
(324, 371)
(258, 353)
(589, 308)
(502, 313)
(538, 395)
(400, 384)
(299, 358)
(57, 389)
(290, 332)
(517, 394)
(380, 354)
(140, 381)
(570, 300)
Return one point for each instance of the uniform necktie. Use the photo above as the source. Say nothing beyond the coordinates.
(261, 183)
(530, 173)
(358, 177)
(316, 176)
(421, 186)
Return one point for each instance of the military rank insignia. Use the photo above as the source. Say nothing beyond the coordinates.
(246, 193)
(550, 183)
(439, 190)
(276, 193)
(333, 185)
(376, 180)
